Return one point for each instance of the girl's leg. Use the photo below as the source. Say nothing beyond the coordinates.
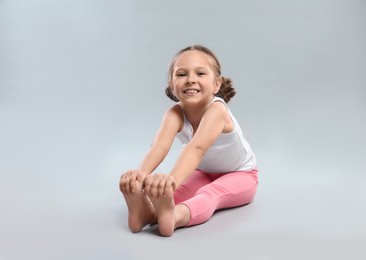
(190, 186)
(169, 213)
(226, 191)
(217, 191)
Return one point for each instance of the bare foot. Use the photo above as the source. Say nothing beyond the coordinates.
(164, 209)
(140, 211)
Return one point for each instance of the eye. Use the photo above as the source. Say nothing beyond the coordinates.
(180, 74)
(201, 73)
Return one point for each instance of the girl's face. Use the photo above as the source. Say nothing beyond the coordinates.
(193, 80)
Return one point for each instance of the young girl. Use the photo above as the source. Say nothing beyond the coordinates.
(216, 168)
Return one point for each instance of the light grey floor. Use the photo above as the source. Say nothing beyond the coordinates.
(81, 95)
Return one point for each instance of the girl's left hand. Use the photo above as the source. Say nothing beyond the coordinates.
(157, 184)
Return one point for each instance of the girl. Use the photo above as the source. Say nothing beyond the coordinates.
(216, 168)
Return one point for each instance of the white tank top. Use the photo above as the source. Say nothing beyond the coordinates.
(230, 152)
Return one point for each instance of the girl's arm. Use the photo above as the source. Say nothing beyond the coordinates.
(171, 123)
(210, 127)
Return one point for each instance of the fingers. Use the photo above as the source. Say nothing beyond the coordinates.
(171, 183)
(158, 185)
(131, 182)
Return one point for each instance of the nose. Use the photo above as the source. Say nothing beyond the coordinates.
(191, 79)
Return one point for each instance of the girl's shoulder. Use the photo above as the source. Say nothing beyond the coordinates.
(219, 105)
(218, 100)
(175, 114)
(218, 111)
(177, 110)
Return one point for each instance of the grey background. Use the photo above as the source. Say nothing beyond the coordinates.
(82, 93)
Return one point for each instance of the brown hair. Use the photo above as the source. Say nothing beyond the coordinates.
(226, 91)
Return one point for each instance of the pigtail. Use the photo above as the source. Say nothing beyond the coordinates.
(227, 91)
(170, 94)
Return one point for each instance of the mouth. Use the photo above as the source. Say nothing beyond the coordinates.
(191, 91)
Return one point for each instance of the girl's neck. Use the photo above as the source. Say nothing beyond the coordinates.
(194, 118)
(194, 113)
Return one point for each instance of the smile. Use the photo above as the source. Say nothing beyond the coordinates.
(191, 91)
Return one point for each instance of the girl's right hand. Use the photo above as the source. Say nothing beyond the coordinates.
(131, 182)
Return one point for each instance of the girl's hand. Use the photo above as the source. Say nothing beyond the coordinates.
(157, 184)
(131, 182)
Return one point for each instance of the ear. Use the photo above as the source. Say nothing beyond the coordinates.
(217, 83)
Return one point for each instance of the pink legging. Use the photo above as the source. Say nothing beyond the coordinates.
(204, 193)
